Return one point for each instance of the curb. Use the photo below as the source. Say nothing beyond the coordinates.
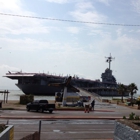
(59, 117)
(98, 110)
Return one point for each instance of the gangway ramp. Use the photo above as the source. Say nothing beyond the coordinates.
(98, 99)
(92, 94)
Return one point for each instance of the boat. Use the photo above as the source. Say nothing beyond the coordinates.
(38, 83)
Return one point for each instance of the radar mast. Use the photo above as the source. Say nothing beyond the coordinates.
(109, 59)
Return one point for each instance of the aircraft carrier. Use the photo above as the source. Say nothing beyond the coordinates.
(38, 83)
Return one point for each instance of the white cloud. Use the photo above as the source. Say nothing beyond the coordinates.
(58, 1)
(73, 30)
(31, 45)
(121, 45)
(106, 2)
(129, 45)
(10, 6)
(84, 6)
(119, 31)
(131, 31)
(26, 44)
(18, 25)
(5, 83)
(136, 5)
(98, 32)
(7, 67)
(86, 12)
(86, 16)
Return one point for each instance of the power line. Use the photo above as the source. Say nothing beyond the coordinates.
(65, 20)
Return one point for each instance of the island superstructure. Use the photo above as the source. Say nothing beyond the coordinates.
(38, 83)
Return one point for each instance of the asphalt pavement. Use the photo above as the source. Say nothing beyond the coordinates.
(64, 129)
(66, 124)
(13, 110)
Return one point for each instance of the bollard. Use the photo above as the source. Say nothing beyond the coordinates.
(0, 104)
(7, 122)
(39, 129)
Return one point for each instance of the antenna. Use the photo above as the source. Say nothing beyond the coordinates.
(109, 59)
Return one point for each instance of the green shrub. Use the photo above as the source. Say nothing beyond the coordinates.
(137, 117)
(131, 116)
(24, 99)
(124, 117)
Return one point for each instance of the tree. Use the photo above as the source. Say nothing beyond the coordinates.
(122, 89)
(132, 88)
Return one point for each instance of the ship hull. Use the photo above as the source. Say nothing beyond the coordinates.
(38, 89)
(50, 91)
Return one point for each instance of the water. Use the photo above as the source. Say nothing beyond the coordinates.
(15, 95)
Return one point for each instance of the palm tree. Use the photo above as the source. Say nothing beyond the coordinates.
(132, 90)
(122, 89)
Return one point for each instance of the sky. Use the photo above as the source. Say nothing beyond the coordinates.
(42, 45)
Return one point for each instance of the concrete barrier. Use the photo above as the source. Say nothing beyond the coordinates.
(127, 130)
(8, 133)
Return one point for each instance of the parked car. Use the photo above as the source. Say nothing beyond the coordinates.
(40, 105)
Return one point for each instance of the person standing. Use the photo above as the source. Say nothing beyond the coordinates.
(92, 105)
(87, 108)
